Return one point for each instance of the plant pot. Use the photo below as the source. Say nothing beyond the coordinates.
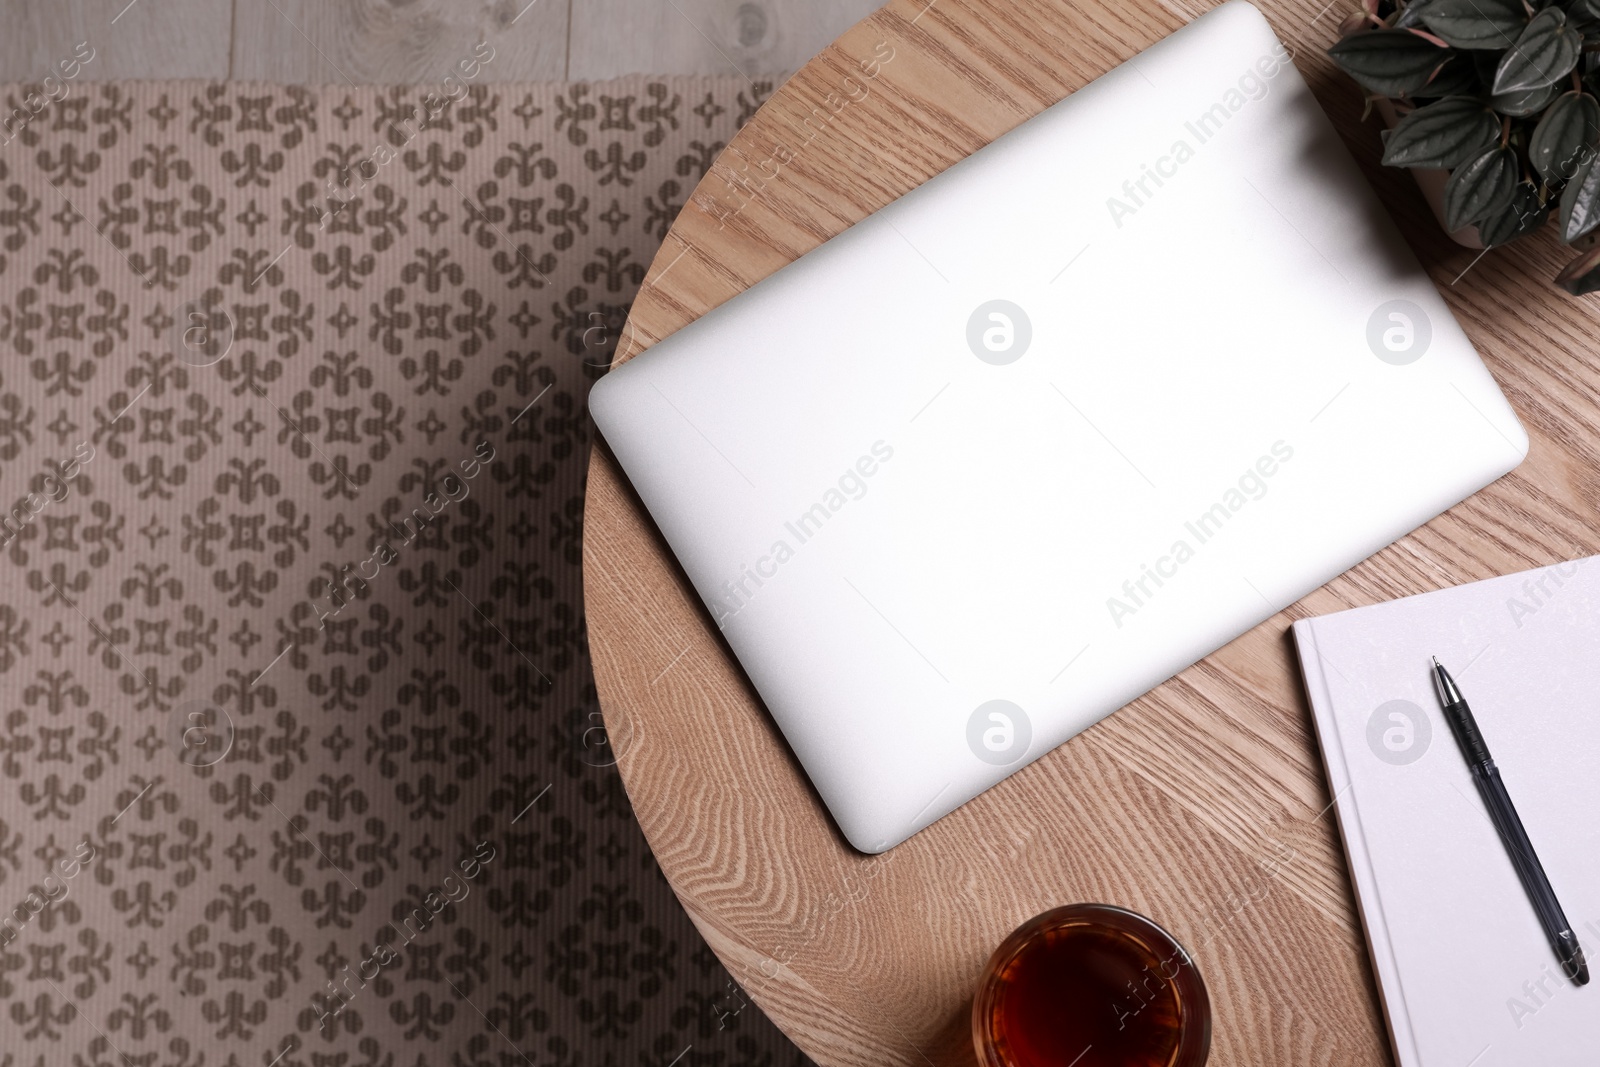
(1431, 181)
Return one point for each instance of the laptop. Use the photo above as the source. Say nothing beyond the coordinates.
(1025, 443)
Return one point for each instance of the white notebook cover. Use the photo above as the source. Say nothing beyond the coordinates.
(1466, 974)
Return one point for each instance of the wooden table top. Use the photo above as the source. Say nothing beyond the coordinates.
(1202, 804)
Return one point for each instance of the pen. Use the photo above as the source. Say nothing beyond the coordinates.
(1487, 777)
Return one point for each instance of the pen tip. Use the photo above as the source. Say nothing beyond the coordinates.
(1446, 686)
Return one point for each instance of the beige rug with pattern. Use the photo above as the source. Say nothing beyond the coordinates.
(300, 754)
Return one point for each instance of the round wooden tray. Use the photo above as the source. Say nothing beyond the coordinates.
(1202, 804)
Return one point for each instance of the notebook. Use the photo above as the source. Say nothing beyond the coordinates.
(1466, 974)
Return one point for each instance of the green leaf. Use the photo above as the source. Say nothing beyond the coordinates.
(1582, 275)
(1493, 24)
(1580, 202)
(1520, 217)
(1584, 11)
(1480, 187)
(1389, 62)
(1565, 136)
(1545, 53)
(1524, 102)
(1458, 77)
(1411, 14)
(1445, 134)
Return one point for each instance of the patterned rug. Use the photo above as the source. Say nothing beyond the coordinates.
(300, 753)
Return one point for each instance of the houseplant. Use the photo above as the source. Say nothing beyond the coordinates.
(1503, 95)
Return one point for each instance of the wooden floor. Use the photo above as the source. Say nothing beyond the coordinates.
(417, 41)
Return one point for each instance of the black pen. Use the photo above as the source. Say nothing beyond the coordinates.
(1498, 801)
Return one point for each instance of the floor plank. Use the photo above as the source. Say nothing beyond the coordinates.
(400, 42)
(147, 39)
(418, 41)
(749, 37)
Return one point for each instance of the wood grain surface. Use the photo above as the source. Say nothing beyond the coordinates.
(144, 39)
(1202, 804)
(404, 42)
(755, 38)
(377, 42)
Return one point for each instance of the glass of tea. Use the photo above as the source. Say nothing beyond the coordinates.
(1091, 985)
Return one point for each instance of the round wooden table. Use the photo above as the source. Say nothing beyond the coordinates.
(1202, 804)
